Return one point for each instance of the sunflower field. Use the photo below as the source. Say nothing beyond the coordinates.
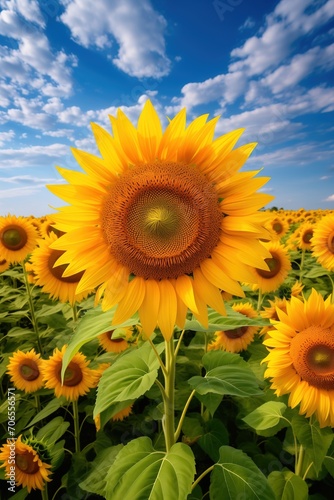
(164, 335)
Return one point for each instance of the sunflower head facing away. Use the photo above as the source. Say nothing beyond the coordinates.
(32, 463)
(163, 220)
(301, 357)
(24, 369)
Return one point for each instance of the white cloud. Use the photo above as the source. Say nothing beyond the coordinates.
(325, 177)
(32, 156)
(6, 136)
(135, 26)
(329, 198)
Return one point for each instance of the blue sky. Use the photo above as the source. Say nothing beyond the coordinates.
(267, 66)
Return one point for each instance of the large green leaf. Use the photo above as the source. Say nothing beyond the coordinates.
(235, 475)
(48, 409)
(141, 473)
(316, 441)
(215, 435)
(89, 327)
(95, 482)
(129, 377)
(287, 486)
(266, 416)
(231, 379)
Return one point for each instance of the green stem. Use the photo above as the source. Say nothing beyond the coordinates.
(37, 403)
(195, 483)
(32, 309)
(183, 414)
(44, 492)
(179, 343)
(168, 418)
(302, 260)
(76, 426)
(259, 300)
(162, 366)
(300, 461)
(75, 312)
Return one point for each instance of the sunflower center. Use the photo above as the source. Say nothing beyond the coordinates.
(277, 227)
(307, 236)
(110, 334)
(161, 220)
(2, 262)
(73, 375)
(330, 242)
(26, 463)
(274, 265)
(29, 370)
(237, 333)
(58, 271)
(312, 353)
(14, 237)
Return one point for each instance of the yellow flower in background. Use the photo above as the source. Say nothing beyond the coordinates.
(17, 238)
(305, 235)
(31, 471)
(123, 340)
(24, 369)
(78, 378)
(121, 415)
(278, 227)
(49, 275)
(162, 220)
(323, 242)
(279, 266)
(238, 339)
(301, 356)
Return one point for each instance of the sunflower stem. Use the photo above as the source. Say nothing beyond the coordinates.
(162, 366)
(195, 483)
(32, 310)
(300, 461)
(76, 426)
(75, 312)
(259, 300)
(37, 403)
(183, 414)
(44, 493)
(168, 418)
(302, 260)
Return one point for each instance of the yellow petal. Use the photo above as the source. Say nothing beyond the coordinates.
(217, 277)
(131, 301)
(105, 143)
(208, 292)
(184, 289)
(148, 311)
(167, 309)
(149, 131)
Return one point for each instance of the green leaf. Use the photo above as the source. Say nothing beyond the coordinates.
(129, 377)
(215, 435)
(316, 441)
(50, 408)
(266, 416)
(95, 482)
(211, 401)
(232, 379)
(140, 472)
(235, 475)
(316, 272)
(232, 320)
(53, 430)
(287, 486)
(90, 326)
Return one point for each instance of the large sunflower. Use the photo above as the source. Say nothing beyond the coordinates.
(323, 242)
(163, 220)
(49, 275)
(236, 340)
(31, 470)
(78, 379)
(301, 357)
(17, 238)
(24, 369)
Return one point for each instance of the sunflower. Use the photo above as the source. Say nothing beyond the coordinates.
(78, 378)
(121, 415)
(24, 369)
(305, 236)
(323, 242)
(301, 357)
(30, 469)
(279, 266)
(49, 275)
(17, 238)
(121, 342)
(238, 339)
(163, 220)
(278, 227)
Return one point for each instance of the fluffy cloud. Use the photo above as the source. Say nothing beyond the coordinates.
(135, 26)
(330, 198)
